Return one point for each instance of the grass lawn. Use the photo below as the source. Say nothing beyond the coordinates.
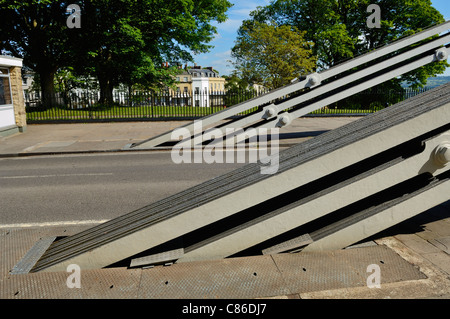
(121, 112)
(116, 112)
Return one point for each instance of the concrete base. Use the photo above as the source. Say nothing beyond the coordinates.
(9, 130)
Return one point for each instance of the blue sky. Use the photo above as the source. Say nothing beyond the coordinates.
(218, 56)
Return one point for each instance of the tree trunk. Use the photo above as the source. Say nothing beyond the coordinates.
(46, 77)
(130, 95)
(106, 91)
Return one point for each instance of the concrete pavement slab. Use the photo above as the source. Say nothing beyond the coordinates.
(440, 259)
(417, 244)
(442, 243)
(92, 137)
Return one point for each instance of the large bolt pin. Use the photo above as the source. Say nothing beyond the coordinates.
(285, 120)
(270, 112)
(442, 154)
(313, 80)
(441, 54)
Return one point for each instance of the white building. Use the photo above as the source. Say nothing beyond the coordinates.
(201, 84)
(12, 108)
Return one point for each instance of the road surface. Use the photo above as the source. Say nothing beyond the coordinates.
(68, 189)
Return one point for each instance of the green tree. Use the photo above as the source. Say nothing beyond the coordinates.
(128, 42)
(272, 55)
(120, 41)
(235, 83)
(237, 89)
(339, 29)
(36, 31)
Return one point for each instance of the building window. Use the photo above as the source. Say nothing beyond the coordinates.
(5, 87)
(185, 79)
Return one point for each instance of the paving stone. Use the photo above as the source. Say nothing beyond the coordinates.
(417, 243)
(440, 259)
(442, 243)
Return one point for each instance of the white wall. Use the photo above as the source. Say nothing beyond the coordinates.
(7, 118)
(202, 84)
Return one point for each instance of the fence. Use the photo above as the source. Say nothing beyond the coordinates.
(85, 106)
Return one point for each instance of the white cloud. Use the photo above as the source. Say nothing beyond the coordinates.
(227, 32)
(223, 54)
(242, 9)
(223, 66)
(218, 60)
(231, 25)
(239, 12)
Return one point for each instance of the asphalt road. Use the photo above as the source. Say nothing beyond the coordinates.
(96, 187)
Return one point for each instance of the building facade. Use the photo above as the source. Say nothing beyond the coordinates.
(12, 107)
(202, 87)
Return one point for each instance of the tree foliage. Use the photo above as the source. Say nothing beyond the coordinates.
(120, 41)
(338, 28)
(36, 31)
(272, 55)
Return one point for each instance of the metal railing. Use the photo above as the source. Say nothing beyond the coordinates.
(86, 106)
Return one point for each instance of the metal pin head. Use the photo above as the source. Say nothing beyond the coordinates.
(442, 154)
(441, 54)
(314, 80)
(270, 112)
(285, 119)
